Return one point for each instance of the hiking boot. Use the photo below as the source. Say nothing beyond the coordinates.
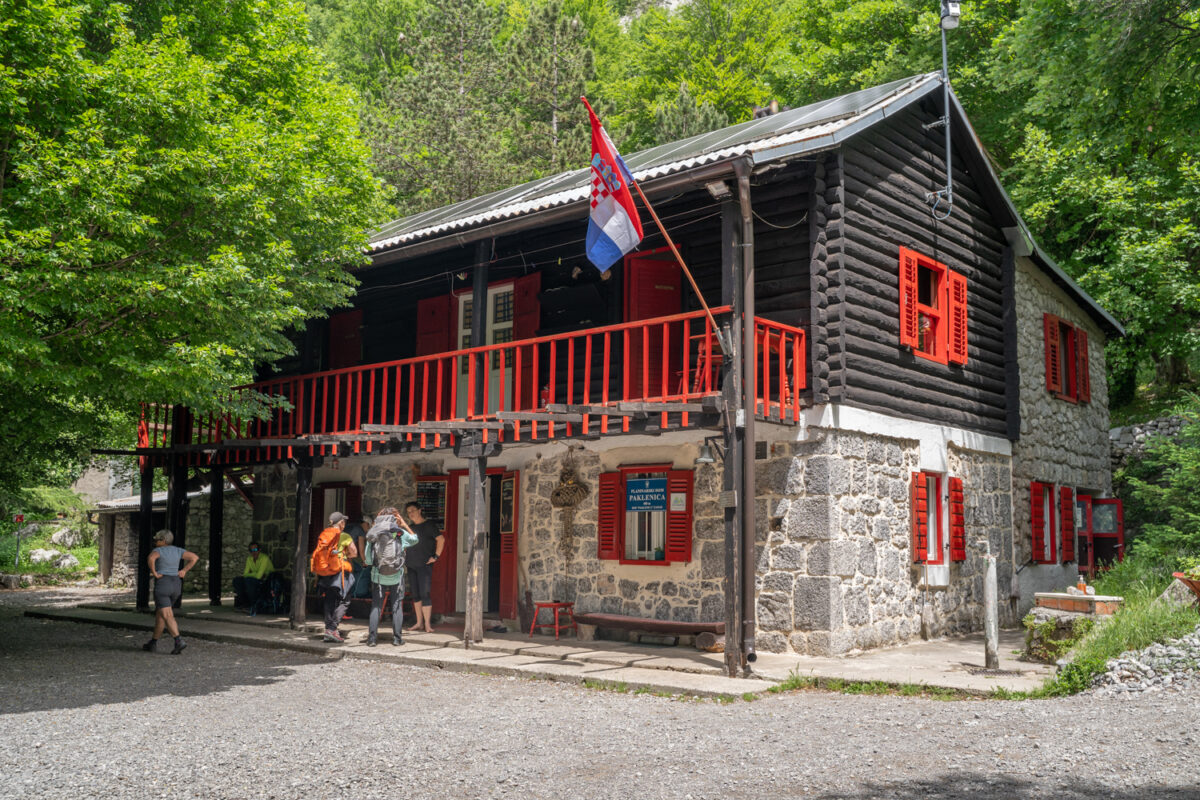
(150, 646)
(333, 636)
(371, 641)
(397, 641)
(179, 645)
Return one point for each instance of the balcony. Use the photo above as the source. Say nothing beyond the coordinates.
(584, 383)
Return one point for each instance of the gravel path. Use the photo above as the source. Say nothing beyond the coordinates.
(85, 713)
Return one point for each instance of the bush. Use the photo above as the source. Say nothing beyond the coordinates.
(1161, 492)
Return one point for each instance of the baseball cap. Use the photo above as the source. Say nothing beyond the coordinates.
(337, 517)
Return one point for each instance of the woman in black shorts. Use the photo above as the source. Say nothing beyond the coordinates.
(169, 565)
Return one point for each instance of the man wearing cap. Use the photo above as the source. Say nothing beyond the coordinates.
(335, 579)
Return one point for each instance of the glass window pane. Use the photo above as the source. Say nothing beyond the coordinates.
(1104, 518)
(502, 307)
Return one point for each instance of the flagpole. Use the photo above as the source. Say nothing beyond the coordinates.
(686, 271)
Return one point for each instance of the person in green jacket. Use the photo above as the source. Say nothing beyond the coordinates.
(387, 588)
(248, 586)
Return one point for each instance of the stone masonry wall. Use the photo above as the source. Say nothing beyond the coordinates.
(1063, 443)
(836, 574)
(1131, 440)
(236, 535)
(560, 563)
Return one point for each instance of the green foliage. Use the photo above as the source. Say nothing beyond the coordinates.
(1161, 492)
(1140, 623)
(87, 553)
(1041, 644)
(178, 188)
(685, 117)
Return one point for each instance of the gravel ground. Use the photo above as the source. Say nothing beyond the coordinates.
(85, 713)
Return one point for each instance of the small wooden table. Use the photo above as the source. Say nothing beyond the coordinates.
(556, 609)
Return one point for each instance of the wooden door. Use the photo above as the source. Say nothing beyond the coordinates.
(345, 339)
(653, 288)
(510, 487)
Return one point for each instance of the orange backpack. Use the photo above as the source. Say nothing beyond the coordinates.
(325, 559)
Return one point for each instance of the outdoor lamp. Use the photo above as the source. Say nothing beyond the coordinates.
(950, 14)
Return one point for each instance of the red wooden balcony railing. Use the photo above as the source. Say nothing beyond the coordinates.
(665, 359)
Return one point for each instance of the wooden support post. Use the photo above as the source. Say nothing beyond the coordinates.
(747, 499)
(216, 530)
(304, 470)
(145, 536)
(731, 472)
(477, 513)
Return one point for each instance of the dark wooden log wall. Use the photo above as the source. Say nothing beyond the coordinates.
(885, 174)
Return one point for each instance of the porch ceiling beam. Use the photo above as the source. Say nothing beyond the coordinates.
(654, 408)
(441, 426)
(599, 411)
(539, 416)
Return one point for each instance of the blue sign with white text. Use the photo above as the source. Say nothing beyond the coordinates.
(646, 494)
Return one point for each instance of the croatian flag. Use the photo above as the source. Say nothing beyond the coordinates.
(614, 227)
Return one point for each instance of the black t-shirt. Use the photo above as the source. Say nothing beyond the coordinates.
(427, 533)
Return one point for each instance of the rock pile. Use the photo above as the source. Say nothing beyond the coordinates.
(1160, 666)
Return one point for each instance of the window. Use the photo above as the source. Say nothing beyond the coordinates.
(927, 518)
(1041, 500)
(1067, 370)
(933, 309)
(645, 515)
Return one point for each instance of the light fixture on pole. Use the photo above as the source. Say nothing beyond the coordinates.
(948, 21)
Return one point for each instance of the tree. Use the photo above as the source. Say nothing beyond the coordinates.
(551, 64)
(441, 131)
(178, 187)
(685, 117)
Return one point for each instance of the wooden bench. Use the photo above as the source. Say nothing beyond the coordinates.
(665, 627)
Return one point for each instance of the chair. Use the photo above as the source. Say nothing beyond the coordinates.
(274, 594)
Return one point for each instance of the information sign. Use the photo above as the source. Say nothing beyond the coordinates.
(646, 494)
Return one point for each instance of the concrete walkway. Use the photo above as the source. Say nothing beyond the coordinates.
(947, 663)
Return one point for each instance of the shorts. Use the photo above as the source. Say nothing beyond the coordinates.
(420, 584)
(167, 590)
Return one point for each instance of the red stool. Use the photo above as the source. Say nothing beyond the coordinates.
(556, 608)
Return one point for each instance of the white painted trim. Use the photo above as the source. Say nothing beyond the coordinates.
(932, 438)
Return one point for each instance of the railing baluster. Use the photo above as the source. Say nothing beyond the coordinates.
(553, 381)
(604, 386)
(666, 367)
(516, 380)
(570, 379)
(536, 398)
(587, 379)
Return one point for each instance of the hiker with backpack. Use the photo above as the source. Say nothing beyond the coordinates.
(385, 555)
(330, 562)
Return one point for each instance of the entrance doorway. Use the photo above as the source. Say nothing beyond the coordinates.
(498, 330)
(653, 288)
(499, 580)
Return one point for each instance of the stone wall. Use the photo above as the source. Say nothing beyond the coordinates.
(558, 561)
(236, 535)
(1063, 443)
(1130, 440)
(125, 550)
(836, 574)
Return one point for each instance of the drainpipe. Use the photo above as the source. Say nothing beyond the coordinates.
(749, 526)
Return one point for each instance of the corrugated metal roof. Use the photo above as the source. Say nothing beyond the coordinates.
(778, 132)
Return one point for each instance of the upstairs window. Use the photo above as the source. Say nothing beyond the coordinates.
(933, 309)
(1067, 371)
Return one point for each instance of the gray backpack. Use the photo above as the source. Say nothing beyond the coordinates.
(385, 544)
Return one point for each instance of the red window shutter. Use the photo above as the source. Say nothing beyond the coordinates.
(920, 518)
(958, 522)
(909, 336)
(679, 523)
(437, 320)
(1083, 382)
(611, 515)
(1037, 501)
(1054, 370)
(1067, 512)
(958, 318)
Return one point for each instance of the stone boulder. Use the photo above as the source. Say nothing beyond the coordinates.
(66, 537)
(10, 581)
(1178, 594)
(1050, 633)
(41, 556)
(66, 561)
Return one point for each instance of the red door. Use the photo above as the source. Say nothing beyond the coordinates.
(436, 321)
(1108, 531)
(345, 339)
(653, 288)
(439, 505)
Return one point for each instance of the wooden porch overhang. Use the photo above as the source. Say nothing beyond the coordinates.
(645, 376)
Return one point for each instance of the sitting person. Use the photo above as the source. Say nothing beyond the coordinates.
(248, 586)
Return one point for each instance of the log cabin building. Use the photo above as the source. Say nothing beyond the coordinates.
(890, 393)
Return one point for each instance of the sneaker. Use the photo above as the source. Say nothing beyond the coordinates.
(333, 636)
(371, 641)
(179, 647)
(397, 641)
(150, 646)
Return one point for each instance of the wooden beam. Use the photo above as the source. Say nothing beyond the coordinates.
(441, 426)
(300, 556)
(600, 411)
(538, 416)
(216, 527)
(477, 514)
(145, 537)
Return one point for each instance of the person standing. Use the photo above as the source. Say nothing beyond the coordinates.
(385, 554)
(169, 565)
(249, 584)
(331, 564)
(421, 558)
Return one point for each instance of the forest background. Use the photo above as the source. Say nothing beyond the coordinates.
(1087, 108)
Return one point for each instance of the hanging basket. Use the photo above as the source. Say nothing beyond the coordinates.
(570, 492)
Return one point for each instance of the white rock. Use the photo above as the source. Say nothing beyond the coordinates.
(67, 561)
(65, 537)
(41, 556)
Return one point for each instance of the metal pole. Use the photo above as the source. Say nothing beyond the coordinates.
(749, 406)
(946, 111)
